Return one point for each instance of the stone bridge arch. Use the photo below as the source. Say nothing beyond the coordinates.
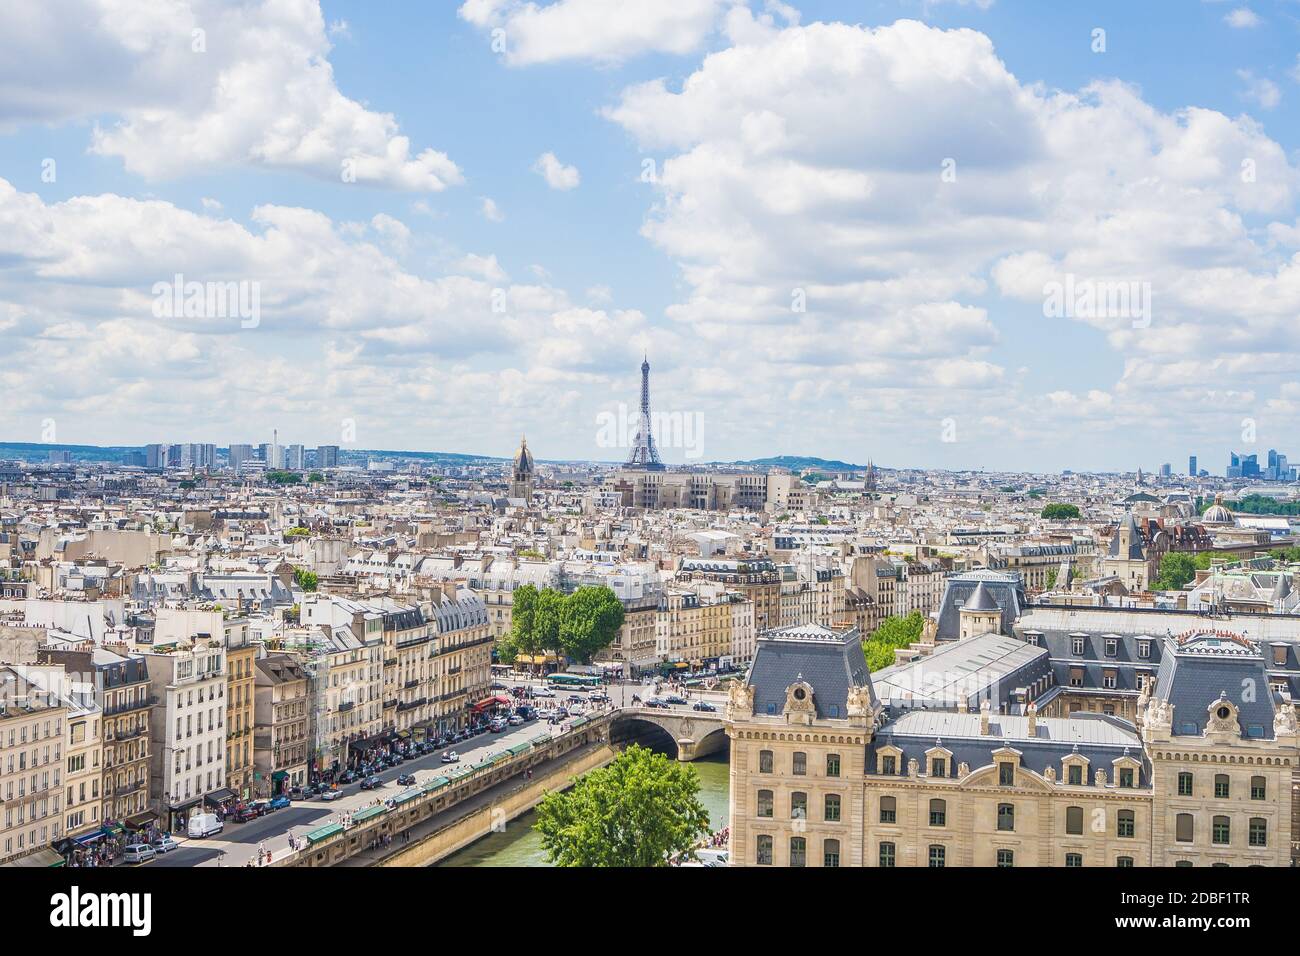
(685, 735)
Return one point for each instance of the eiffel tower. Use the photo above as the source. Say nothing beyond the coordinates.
(644, 456)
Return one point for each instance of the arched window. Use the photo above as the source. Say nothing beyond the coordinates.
(1124, 862)
(938, 856)
(887, 854)
(1184, 828)
(832, 808)
(765, 761)
(1125, 823)
(1006, 816)
(765, 803)
(938, 813)
(1006, 858)
(800, 763)
(798, 851)
(1258, 831)
(832, 765)
(1222, 788)
(1073, 859)
(1185, 784)
(1221, 831)
(888, 810)
(831, 853)
(764, 850)
(1258, 788)
(798, 806)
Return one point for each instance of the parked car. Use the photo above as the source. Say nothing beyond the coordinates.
(406, 780)
(347, 776)
(204, 824)
(164, 844)
(451, 757)
(371, 783)
(515, 720)
(704, 705)
(263, 807)
(331, 795)
(299, 793)
(139, 853)
(599, 697)
(278, 803)
(544, 692)
(497, 726)
(244, 812)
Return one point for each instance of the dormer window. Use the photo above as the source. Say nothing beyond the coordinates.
(1076, 646)
(1144, 650)
(1112, 647)
(1006, 773)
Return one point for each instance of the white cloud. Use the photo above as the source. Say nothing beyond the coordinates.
(1260, 90)
(556, 174)
(816, 251)
(1242, 18)
(594, 30)
(491, 211)
(194, 85)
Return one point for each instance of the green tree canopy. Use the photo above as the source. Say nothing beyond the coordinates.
(284, 477)
(641, 810)
(1059, 511)
(894, 632)
(305, 579)
(1177, 568)
(589, 621)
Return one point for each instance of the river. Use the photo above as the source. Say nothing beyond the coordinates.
(520, 845)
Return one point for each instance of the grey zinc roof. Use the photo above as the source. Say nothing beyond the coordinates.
(1005, 588)
(830, 661)
(980, 600)
(1193, 675)
(987, 665)
(1135, 542)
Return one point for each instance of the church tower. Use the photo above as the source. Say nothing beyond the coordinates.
(522, 473)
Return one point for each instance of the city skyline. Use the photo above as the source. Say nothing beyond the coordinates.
(477, 220)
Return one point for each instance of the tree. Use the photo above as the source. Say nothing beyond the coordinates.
(641, 810)
(546, 620)
(1059, 511)
(894, 632)
(1051, 578)
(315, 477)
(1177, 568)
(589, 622)
(305, 579)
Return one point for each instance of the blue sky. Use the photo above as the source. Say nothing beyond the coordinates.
(455, 298)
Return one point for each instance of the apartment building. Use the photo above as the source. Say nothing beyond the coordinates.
(32, 719)
(282, 717)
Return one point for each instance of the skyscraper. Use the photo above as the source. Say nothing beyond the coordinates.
(1191, 465)
(327, 456)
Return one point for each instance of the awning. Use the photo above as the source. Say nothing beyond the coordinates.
(362, 815)
(218, 797)
(280, 775)
(86, 839)
(324, 833)
(139, 820)
(180, 807)
(495, 699)
(44, 857)
(403, 734)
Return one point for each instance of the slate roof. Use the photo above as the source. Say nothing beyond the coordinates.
(1135, 541)
(1194, 674)
(980, 600)
(1098, 738)
(830, 661)
(1004, 587)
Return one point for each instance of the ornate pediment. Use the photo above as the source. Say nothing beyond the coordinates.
(799, 707)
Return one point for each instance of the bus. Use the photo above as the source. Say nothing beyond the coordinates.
(573, 681)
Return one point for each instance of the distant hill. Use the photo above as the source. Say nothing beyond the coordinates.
(798, 462)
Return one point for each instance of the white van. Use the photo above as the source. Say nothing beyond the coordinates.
(204, 824)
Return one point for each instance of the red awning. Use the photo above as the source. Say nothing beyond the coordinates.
(487, 702)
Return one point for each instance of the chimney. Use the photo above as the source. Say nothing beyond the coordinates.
(984, 717)
(1031, 712)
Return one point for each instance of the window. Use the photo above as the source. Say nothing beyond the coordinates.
(886, 854)
(1075, 775)
(1126, 777)
(1006, 858)
(888, 810)
(1074, 821)
(764, 850)
(1144, 651)
(1184, 784)
(1258, 831)
(937, 855)
(1076, 645)
(765, 803)
(938, 813)
(1184, 828)
(832, 765)
(798, 806)
(1108, 680)
(765, 761)
(1221, 831)
(1125, 824)
(1221, 786)
(1257, 788)
(1183, 863)
(1124, 862)
(1112, 646)
(831, 853)
(798, 851)
(1006, 773)
(832, 809)
(800, 763)
(887, 764)
(1073, 859)
(1006, 816)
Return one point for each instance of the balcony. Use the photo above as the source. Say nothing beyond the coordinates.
(130, 706)
(412, 683)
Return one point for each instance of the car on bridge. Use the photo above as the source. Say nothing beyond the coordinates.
(674, 699)
(656, 702)
(705, 706)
